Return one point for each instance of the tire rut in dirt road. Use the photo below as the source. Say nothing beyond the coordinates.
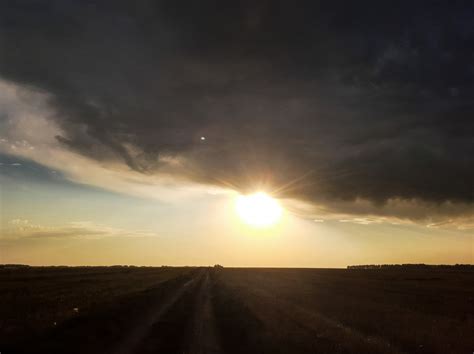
(186, 326)
(204, 335)
(165, 328)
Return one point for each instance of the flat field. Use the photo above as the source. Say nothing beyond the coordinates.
(235, 310)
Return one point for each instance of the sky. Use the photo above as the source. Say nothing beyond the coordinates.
(128, 130)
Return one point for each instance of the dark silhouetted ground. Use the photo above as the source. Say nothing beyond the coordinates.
(225, 310)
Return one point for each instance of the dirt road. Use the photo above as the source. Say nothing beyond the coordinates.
(183, 324)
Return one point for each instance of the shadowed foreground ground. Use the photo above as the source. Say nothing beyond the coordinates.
(207, 310)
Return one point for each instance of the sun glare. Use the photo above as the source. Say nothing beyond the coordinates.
(258, 210)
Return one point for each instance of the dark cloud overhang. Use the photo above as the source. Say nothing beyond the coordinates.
(347, 99)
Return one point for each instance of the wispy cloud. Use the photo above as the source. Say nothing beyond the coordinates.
(22, 228)
(16, 164)
(466, 223)
(363, 221)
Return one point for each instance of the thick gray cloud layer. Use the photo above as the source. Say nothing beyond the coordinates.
(322, 101)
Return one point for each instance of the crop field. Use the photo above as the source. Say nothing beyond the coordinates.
(235, 310)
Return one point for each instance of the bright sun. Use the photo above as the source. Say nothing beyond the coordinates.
(258, 210)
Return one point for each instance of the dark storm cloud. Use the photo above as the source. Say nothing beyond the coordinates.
(324, 101)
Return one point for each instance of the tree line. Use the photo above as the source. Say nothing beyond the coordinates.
(412, 266)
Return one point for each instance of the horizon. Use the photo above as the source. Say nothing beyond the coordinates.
(348, 267)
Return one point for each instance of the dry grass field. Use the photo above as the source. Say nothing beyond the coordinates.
(351, 311)
(225, 310)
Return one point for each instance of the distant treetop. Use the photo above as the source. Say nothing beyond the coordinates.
(411, 266)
